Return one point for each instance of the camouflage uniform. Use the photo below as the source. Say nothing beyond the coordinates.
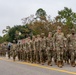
(72, 47)
(65, 50)
(43, 49)
(18, 51)
(58, 45)
(37, 48)
(28, 49)
(4, 49)
(49, 49)
(24, 53)
(14, 51)
(32, 50)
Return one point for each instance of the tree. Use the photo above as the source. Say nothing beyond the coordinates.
(40, 13)
(67, 17)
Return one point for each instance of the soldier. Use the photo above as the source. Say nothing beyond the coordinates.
(4, 49)
(22, 53)
(49, 49)
(18, 51)
(24, 49)
(28, 49)
(32, 49)
(14, 50)
(37, 48)
(43, 49)
(72, 47)
(58, 44)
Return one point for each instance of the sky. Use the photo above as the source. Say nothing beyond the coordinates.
(12, 11)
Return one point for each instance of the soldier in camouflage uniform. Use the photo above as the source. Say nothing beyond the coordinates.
(24, 54)
(72, 47)
(18, 51)
(32, 49)
(4, 49)
(14, 50)
(43, 49)
(28, 48)
(49, 48)
(58, 45)
(37, 48)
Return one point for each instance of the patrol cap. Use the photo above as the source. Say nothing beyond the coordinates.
(58, 27)
(38, 35)
(73, 30)
(50, 32)
(14, 41)
(42, 33)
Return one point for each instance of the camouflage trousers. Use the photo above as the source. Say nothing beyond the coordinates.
(42, 54)
(21, 55)
(60, 53)
(73, 55)
(49, 55)
(25, 56)
(32, 56)
(9, 54)
(36, 56)
(14, 54)
(28, 56)
(18, 52)
(65, 56)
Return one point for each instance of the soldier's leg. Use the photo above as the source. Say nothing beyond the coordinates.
(9, 54)
(62, 52)
(55, 56)
(68, 55)
(13, 55)
(42, 57)
(31, 59)
(37, 57)
(73, 58)
(34, 56)
(58, 59)
(18, 55)
(25, 56)
(28, 56)
(49, 58)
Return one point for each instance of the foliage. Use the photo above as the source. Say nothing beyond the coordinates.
(67, 17)
(40, 23)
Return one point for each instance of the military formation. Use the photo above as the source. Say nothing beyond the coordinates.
(57, 48)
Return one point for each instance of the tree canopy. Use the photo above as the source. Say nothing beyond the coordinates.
(66, 18)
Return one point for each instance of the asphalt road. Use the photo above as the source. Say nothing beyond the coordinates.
(8, 67)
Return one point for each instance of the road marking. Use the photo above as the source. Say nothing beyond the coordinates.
(36, 65)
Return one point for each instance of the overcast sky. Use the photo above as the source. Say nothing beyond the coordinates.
(12, 11)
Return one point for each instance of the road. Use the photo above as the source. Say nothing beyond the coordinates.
(9, 67)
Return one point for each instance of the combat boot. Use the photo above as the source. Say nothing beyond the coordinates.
(59, 64)
(62, 63)
(50, 64)
(55, 62)
(68, 62)
(73, 64)
(42, 63)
